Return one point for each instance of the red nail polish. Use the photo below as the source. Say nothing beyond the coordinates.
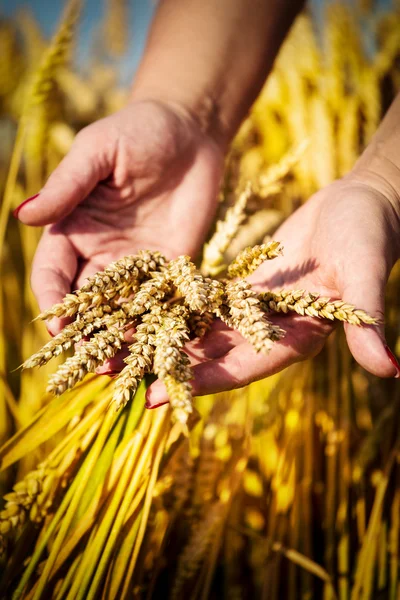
(110, 373)
(151, 406)
(394, 361)
(16, 211)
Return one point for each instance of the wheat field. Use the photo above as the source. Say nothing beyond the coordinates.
(286, 489)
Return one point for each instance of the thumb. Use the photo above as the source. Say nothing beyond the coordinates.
(70, 183)
(368, 344)
(53, 270)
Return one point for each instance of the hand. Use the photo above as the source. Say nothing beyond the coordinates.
(143, 178)
(342, 243)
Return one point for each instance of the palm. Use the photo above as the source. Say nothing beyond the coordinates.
(110, 224)
(340, 244)
(157, 177)
(298, 268)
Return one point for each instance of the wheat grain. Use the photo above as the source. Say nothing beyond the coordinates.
(140, 359)
(171, 364)
(225, 231)
(81, 302)
(103, 346)
(190, 283)
(130, 268)
(73, 333)
(149, 294)
(313, 305)
(249, 259)
(249, 318)
(200, 323)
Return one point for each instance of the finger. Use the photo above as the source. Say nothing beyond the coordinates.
(70, 183)
(240, 366)
(215, 343)
(114, 365)
(86, 270)
(367, 344)
(212, 345)
(53, 270)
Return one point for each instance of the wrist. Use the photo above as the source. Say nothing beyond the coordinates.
(377, 178)
(377, 170)
(201, 110)
(380, 163)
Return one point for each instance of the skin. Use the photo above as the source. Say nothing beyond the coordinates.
(147, 177)
(342, 244)
(133, 180)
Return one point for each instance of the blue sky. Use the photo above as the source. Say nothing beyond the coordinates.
(48, 13)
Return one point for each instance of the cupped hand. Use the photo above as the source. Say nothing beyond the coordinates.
(343, 244)
(144, 178)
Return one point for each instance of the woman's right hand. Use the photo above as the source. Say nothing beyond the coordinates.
(146, 177)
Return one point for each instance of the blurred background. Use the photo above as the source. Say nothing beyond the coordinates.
(289, 488)
(130, 40)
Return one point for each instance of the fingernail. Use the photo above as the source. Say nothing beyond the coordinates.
(151, 406)
(109, 373)
(16, 211)
(393, 360)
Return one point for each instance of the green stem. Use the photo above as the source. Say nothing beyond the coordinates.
(151, 443)
(146, 512)
(94, 548)
(68, 507)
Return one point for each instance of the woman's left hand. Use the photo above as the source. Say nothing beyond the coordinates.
(343, 244)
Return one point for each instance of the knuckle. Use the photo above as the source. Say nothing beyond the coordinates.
(380, 315)
(56, 280)
(84, 136)
(239, 375)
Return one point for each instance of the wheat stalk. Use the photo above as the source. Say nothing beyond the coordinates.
(313, 305)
